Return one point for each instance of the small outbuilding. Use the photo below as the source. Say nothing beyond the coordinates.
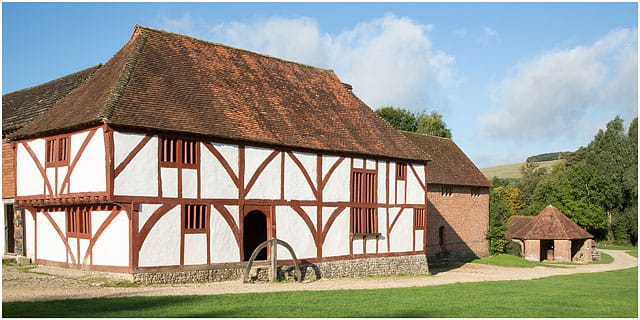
(550, 236)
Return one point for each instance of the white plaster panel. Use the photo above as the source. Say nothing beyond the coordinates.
(415, 193)
(224, 247)
(371, 164)
(327, 163)
(97, 219)
(392, 183)
(296, 186)
(337, 241)
(73, 252)
(309, 162)
(146, 210)
(358, 163)
(401, 238)
(29, 234)
(76, 142)
(253, 157)
(51, 177)
(292, 229)
(230, 153)
(38, 148)
(84, 245)
(190, 183)
(337, 187)
(371, 244)
(62, 172)
(267, 186)
(169, 182)
(215, 181)
(124, 143)
(195, 249)
(140, 176)
(90, 172)
(419, 244)
(382, 182)
(112, 248)
(50, 245)
(235, 213)
(393, 212)
(401, 189)
(358, 245)
(382, 228)
(162, 245)
(312, 214)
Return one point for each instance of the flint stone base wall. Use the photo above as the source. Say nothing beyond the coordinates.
(382, 266)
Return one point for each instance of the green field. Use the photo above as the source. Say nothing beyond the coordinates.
(601, 295)
(512, 171)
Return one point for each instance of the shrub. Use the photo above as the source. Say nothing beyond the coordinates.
(513, 248)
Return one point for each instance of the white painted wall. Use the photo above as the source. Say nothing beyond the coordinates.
(292, 229)
(169, 182)
(382, 228)
(337, 187)
(224, 247)
(401, 237)
(29, 181)
(358, 245)
(146, 210)
(382, 183)
(62, 173)
(195, 249)
(415, 193)
(124, 143)
(190, 183)
(419, 236)
(371, 244)
(162, 245)
(30, 235)
(112, 248)
(50, 246)
(337, 240)
(267, 185)
(215, 180)
(90, 172)
(140, 177)
(296, 187)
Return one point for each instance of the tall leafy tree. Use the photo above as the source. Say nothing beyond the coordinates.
(398, 118)
(432, 124)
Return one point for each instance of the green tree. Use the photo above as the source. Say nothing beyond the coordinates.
(532, 174)
(499, 214)
(398, 118)
(432, 124)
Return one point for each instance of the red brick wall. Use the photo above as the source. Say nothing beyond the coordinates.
(465, 219)
(8, 174)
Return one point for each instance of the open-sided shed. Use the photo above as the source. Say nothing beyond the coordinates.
(550, 236)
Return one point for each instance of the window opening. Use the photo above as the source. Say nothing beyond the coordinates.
(364, 200)
(401, 171)
(419, 218)
(195, 218)
(78, 222)
(445, 191)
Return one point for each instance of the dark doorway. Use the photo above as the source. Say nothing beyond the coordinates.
(441, 242)
(255, 233)
(10, 240)
(546, 250)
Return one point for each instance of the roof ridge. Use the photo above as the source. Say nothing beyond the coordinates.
(141, 28)
(138, 40)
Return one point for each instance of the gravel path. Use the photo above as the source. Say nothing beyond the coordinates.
(49, 283)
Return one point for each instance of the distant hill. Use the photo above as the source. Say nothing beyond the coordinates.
(512, 170)
(548, 156)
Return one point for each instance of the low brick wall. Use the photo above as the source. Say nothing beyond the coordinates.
(415, 264)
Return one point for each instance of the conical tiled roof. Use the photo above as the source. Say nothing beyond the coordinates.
(549, 224)
(161, 81)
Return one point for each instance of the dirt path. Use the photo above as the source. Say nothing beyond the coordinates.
(48, 283)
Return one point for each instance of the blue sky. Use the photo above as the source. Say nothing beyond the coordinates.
(511, 79)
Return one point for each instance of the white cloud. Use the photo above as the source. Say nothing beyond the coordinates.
(553, 95)
(179, 25)
(388, 61)
(488, 36)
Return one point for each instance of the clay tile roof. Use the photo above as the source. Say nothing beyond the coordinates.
(549, 224)
(22, 106)
(161, 81)
(449, 165)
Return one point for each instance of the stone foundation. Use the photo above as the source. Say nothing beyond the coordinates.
(383, 266)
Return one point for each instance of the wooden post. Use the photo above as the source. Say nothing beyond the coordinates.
(274, 260)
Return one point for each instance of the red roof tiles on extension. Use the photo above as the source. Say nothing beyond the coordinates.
(22, 106)
(549, 224)
(160, 81)
(449, 164)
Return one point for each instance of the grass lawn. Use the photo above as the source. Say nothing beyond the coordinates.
(602, 295)
(508, 260)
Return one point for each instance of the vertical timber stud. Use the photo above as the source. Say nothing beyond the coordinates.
(274, 260)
